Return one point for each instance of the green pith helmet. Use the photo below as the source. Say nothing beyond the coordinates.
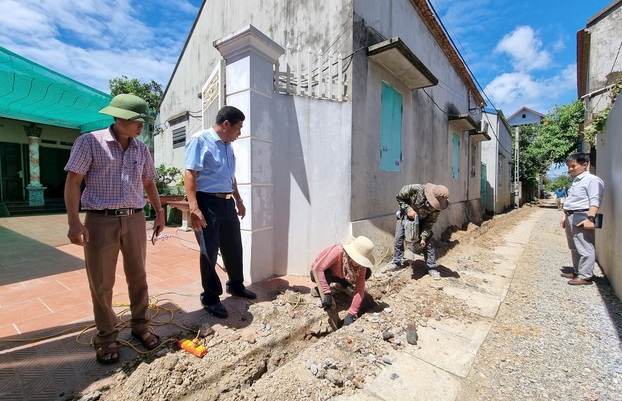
(128, 107)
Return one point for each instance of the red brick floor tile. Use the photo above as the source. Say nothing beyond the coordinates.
(71, 298)
(156, 287)
(75, 280)
(31, 290)
(25, 310)
(60, 319)
(8, 330)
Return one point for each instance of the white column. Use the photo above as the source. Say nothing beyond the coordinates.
(250, 57)
(35, 189)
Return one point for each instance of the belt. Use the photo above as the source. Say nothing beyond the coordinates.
(569, 212)
(219, 195)
(117, 212)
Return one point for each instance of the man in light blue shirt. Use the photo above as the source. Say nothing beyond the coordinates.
(213, 196)
(580, 209)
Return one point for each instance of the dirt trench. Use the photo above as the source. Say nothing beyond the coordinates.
(290, 351)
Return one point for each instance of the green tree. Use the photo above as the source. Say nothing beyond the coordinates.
(563, 181)
(151, 92)
(549, 143)
(529, 165)
(559, 133)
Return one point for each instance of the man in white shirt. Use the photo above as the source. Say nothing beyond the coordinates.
(580, 209)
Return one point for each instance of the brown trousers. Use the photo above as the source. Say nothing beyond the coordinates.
(107, 236)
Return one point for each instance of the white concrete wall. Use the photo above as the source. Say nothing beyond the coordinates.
(12, 131)
(326, 174)
(426, 132)
(497, 155)
(608, 167)
(604, 46)
(325, 24)
(311, 155)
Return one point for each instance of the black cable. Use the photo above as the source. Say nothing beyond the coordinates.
(438, 18)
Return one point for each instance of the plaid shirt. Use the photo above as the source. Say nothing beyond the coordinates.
(113, 177)
(412, 197)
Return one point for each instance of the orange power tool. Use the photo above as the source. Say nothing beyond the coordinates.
(193, 347)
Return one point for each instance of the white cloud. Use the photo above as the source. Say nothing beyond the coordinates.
(511, 91)
(93, 41)
(525, 49)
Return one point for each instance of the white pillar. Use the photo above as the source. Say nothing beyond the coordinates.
(250, 57)
(34, 187)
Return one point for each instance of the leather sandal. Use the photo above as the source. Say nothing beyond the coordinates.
(107, 353)
(147, 338)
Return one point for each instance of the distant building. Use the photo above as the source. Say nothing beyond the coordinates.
(525, 116)
(496, 163)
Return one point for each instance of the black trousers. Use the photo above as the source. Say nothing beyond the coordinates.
(222, 232)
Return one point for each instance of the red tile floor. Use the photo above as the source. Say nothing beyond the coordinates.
(45, 304)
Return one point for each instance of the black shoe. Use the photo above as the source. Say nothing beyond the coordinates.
(242, 293)
(217, 309)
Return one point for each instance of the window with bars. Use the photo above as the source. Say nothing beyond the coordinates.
(179, 137)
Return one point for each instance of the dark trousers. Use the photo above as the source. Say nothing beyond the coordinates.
(222, 232)
(429, 251)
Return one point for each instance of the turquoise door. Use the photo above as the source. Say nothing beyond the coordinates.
(483, 182)
(455, 157)
(391, 129)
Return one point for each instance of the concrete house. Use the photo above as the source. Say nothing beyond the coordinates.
(346, 102)
(41, 114)
(525, 116)
(598, 67)
(497, 158)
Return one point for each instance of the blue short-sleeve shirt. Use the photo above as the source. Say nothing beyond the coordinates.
(213, 159)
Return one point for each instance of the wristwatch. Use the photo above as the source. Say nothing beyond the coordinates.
(591, 218)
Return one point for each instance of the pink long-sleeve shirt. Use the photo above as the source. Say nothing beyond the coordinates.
(330, 258)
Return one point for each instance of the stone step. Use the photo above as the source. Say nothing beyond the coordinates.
(22, 208)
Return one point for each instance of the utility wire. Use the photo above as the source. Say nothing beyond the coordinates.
(438, 18)
(472, 75)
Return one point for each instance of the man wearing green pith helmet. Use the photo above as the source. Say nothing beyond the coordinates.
(116, 168)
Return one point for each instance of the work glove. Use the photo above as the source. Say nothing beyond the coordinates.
(348, 320)
(327, 302)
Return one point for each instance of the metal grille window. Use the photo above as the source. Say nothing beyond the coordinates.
(179, 137)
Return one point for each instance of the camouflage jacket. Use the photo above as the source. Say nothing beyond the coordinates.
(412, 197)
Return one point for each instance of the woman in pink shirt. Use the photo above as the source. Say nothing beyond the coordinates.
(346, 264)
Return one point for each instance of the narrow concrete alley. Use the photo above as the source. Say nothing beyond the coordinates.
(501, 324)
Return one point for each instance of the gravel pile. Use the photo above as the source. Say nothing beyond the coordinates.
(550, 340)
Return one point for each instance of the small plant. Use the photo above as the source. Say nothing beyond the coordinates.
(181, 189)
(599, 120)
(166, 176)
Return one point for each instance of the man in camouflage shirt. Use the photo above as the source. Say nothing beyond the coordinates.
(425, 202)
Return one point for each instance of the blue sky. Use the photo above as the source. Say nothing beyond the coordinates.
(523, 53)
(93, 41)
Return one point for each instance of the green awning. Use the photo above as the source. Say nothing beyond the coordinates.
(31, 92)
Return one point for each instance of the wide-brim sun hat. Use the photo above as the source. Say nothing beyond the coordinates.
(437, 196)
(360, 250)
(128, 107)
